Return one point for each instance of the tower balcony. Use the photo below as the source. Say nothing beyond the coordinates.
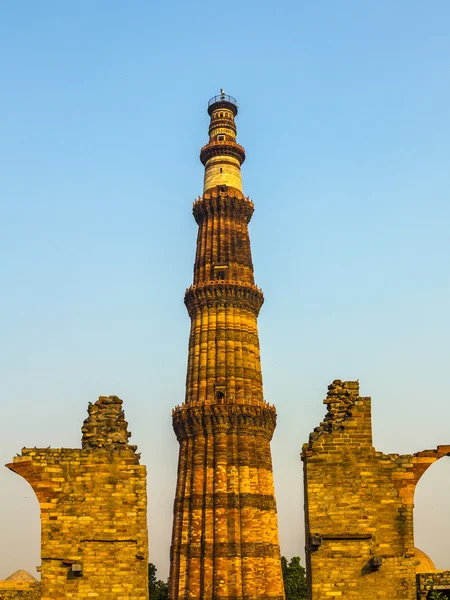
(222, 148)
(222, 101)
(220, 292)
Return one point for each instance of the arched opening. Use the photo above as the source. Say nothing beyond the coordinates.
(20, 524)
(431, 514)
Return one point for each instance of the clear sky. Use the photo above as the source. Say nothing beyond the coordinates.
(345, 116)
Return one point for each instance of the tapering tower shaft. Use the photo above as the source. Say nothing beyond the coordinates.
(225, 532)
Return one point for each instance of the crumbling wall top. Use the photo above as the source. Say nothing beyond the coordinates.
(346, 410)
(105, 427)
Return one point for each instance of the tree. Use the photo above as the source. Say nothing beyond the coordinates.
(294, 578)
(157, 589)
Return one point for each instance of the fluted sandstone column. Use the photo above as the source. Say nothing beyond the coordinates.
(225, 533)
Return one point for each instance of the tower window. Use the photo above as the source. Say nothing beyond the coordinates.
(220, 272)
(221, 138)
(220, 392)
(221, 170)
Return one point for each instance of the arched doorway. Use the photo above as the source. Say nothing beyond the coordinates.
(20, 524)
(432, 528)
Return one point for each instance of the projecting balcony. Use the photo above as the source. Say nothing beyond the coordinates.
(222, 148)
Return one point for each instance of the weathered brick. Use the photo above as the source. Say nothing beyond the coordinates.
(363, 498)
(82, 494)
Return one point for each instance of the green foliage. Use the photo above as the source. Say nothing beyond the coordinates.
(294, 578)
(157, 589)
(435, 594)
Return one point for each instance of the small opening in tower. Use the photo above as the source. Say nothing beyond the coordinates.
(221, 170)
(220, 272)
(221, 138)
(220, 392)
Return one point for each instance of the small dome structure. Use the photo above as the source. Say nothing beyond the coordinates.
(424, 564)
(21, 576)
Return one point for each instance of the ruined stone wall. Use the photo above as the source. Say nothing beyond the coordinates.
(93, 511)
(14, 590)
(437, 580)
(359, 505)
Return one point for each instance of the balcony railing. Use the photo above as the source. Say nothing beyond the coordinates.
(223, 98)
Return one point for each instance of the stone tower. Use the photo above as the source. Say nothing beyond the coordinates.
(225, 530)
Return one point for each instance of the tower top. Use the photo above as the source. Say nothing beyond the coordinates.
(222, 101)
(222, 156)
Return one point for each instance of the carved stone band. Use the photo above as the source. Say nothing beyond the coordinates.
(220, 293)
(242, 418)
(222, 500)
(238, 207)
(226, 148)
(227, 550)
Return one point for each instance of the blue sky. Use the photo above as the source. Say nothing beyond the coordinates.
(345, 116)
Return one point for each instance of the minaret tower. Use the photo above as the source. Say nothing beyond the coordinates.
(225, 531)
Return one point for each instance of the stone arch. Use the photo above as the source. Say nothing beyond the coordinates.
(20, 546)
(431, 502)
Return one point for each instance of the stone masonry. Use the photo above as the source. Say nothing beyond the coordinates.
(438, 580)
(20, 584)
(359, 505)
(225, 532)
(12, 590)
(93, 503)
